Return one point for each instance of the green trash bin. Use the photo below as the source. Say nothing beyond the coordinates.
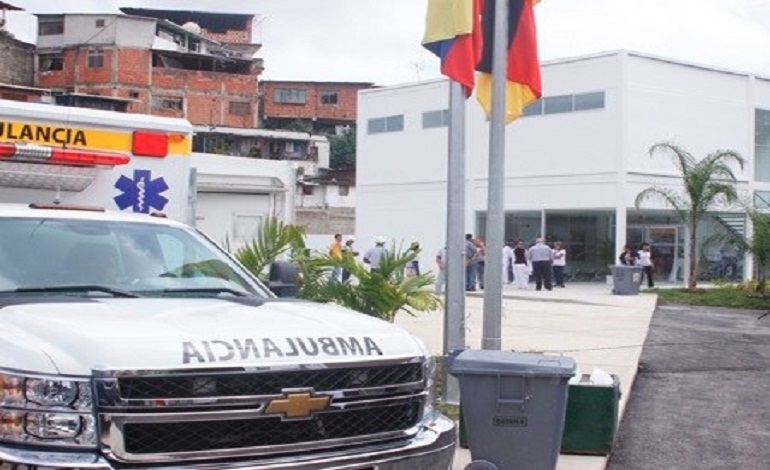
(592, 417)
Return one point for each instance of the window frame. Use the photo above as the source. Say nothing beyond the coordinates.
(290, 96)
(95, 59)
(325, 98)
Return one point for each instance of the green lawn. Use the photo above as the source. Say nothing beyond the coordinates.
(732, 296)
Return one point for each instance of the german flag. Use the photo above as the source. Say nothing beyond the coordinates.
(523, 72)
(453, 33)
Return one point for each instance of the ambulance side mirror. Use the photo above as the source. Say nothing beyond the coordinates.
(283, 279)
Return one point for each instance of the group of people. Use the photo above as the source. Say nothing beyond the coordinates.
(641, 257)
(543, 263)
(371, 258)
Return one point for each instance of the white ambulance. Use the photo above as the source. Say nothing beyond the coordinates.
(129, 341)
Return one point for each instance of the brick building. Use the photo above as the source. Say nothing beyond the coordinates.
(319, 107)
(195, 65)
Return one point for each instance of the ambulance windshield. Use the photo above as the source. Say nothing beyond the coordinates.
(104, 257)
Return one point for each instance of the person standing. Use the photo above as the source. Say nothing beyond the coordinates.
(542, 257)
(441, 274)
(348, 249)
(521, 265)
(508, 262)
(335, 252)
(413, 268)
(470, 267)
(645, 261)
(559, 264)
(628, 256)
(374, 254)
(480, 260)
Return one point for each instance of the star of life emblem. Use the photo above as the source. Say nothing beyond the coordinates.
(142, 193)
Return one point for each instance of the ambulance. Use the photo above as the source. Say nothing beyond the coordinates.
(129, 340)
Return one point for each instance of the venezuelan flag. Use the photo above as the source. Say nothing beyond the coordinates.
(523, 72)
(453, 33)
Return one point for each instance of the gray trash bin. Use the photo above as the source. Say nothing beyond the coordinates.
(513, 407)
(626, 279)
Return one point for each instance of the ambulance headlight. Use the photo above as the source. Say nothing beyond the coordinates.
(40, 410)
(48, 392)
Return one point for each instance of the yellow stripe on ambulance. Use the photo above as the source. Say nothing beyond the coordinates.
(93, 139)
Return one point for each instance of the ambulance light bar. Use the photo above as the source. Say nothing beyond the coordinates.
(150, 144)
(59, 156)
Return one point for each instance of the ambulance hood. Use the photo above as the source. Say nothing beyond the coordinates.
(74, 337)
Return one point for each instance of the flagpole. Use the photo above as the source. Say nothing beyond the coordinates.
(493, 288)
(454, 315)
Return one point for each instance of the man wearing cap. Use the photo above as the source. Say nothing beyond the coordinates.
(373, 255)
(347, 248)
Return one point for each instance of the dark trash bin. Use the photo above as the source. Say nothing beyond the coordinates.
(592, 417)
(513, 407)
(626, 279)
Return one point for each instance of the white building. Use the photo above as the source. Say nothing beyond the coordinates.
(574, 163)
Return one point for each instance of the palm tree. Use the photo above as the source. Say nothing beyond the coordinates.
(758, 244)
(706, 183)
(273, 240)
(382, 293)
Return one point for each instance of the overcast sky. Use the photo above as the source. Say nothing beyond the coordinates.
(379, 40)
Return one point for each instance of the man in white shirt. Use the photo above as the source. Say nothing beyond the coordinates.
(559, 264)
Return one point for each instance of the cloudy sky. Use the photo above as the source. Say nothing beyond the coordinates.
(379, 40)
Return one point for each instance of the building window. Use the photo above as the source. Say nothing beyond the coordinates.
(534, 109)
(585, 101)
(307, 190)
(557, 104)
(565, 104)
(240, 108)
(95, 59)
(329, 97)
(100, 23)
(762, 145)
(173, 103)
(386, 124)
(290, 96)
(133, 94)
(50, 28)
(762, 200)
(432, 119)
(344, 190)
(50, 62)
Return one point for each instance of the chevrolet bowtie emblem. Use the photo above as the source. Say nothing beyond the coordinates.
(297, 405)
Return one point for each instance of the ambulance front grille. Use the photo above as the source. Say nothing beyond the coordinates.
(181, 416)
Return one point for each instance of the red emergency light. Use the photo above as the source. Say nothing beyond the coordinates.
(150, 144)
(59, 156)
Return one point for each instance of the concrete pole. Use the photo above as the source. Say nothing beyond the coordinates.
(493, 287)
(454, 317)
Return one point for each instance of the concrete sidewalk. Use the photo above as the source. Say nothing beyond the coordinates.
(582, 321)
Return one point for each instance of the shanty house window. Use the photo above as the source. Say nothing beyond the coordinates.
(290, 95)
(240, 108)
(50, 28)
(329, 97)
(172, 103)
(95, 59)
(50, 62)
(100, 23)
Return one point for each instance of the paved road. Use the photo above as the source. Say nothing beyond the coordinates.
(701, 399)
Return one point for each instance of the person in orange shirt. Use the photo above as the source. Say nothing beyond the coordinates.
(335, 251)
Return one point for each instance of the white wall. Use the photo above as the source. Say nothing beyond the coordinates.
(582, 160)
